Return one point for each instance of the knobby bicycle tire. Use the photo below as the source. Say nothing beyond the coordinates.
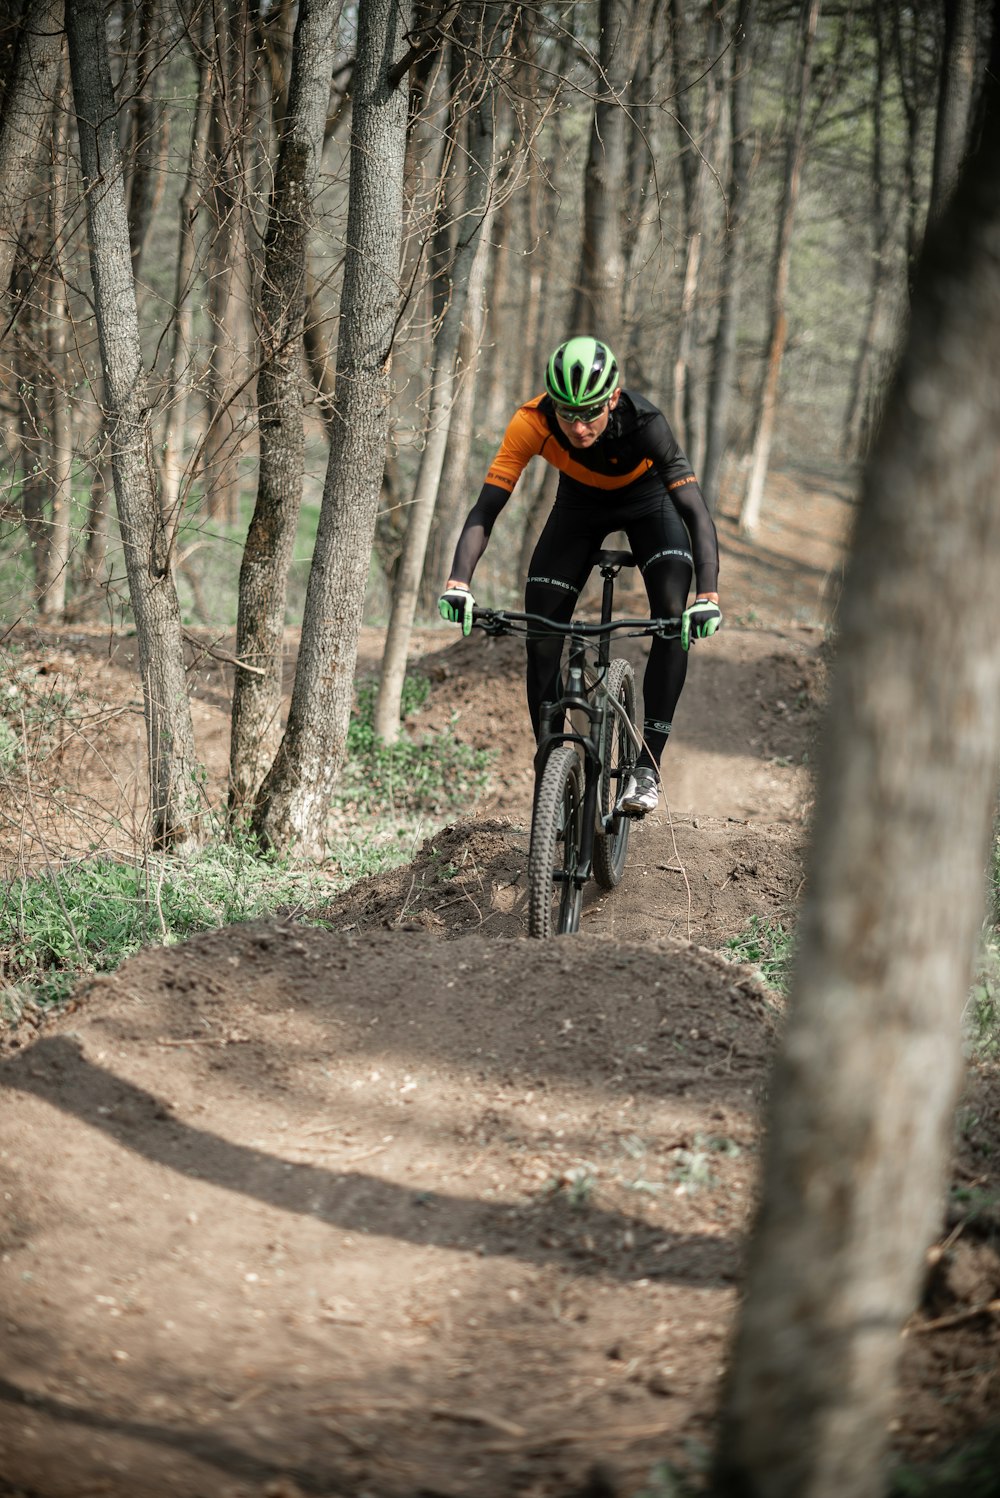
(618, 755)
(554, 903)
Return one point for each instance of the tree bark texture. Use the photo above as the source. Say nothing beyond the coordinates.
(33, 419)
(148, 134)
(292, 806)
(174, 804)
(598, 303)
(473, 230)
(228, 253)
(722, 378)
(453, 486)
(914, 89)
(27, 108)
(688, 413)
(864, 1089)
(868, 377)
(181, 353)
(52, 596)
(256, 728)
(767, 400)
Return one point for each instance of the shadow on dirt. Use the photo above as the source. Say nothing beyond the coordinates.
(355, 1202)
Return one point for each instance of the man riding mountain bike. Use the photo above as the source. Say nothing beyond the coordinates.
(621, 468)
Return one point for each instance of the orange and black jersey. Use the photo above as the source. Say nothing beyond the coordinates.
(635, 459)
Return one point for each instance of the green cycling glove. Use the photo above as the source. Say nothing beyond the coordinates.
(456, 604)
(700, 621)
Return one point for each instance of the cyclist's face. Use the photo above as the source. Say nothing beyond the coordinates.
(585, 433)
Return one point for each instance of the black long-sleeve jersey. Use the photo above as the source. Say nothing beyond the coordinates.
(637, 456)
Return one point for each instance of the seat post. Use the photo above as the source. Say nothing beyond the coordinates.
(608, 594)
(607, 604)
(610, 564)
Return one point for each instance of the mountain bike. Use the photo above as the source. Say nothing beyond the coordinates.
(587, 746)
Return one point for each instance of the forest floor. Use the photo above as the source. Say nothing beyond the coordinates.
(413, 1205)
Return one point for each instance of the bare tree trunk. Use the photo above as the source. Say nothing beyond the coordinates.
(228, 249)
(689, 428)
(181, 355)
(292, 805)
(453, 486)
(723, 372)
(864, 1089)
(174, 803)
(958, 71)
(767, 399)
(511, 367)
(860, 419)
(148, 135)
(97, 526)
(690, 161)
(52, 598)
(473, 233)
(640, 187)
(27, 106)
(267, 555)
(531, 354)
(494, 398)
(318, 358)
(914, 88)
(428, 149)
(32, 416)
(598, 304)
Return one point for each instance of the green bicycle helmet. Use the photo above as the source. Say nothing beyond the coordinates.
(582, 372)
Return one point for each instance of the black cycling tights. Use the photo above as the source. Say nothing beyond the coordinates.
(560, 567)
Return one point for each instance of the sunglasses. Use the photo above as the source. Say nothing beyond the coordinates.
(586, 414)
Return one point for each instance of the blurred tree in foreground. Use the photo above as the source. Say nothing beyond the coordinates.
(865, 1084)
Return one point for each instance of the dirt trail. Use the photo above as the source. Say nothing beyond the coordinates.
(414, 1205)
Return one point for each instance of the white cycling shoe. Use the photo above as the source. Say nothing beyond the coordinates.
(641, 793)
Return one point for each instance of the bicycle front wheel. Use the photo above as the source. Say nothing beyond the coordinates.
(617, 759)
(555, 897)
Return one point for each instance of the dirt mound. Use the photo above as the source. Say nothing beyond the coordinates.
(324, 1212)
(462, 877)
(697, 878)
(300, 1219)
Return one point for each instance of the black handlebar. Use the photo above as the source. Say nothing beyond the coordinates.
(506, 622)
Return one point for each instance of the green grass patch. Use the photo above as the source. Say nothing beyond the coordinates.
(430, 774)
(982, 1011)
(89, 915)
(768, 946)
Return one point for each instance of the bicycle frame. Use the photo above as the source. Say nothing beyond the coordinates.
(590, 702)
(579, 715)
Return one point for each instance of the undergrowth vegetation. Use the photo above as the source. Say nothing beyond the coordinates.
(768, 946)
(85, 916)
(89, 915)
(425, 775)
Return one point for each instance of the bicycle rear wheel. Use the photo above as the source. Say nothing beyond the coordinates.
(554, 897)
(617, 758)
